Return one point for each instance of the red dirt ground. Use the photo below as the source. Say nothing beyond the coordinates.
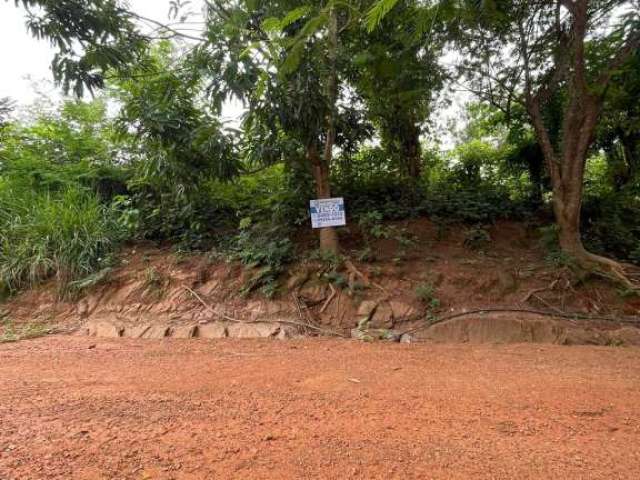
(78, 408)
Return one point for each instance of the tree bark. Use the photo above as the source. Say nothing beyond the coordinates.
(412, 153)
(629, 144)
(321, 166)
(566, 162)
(320, 169)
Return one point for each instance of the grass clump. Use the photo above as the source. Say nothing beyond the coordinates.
(68, 235)
(10, 332)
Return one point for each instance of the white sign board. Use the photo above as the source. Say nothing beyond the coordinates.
(328, 212)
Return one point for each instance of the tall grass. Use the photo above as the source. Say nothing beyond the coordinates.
(67, 235)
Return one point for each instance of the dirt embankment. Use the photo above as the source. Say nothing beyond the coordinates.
(154, 294)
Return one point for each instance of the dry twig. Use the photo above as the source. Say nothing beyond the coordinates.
(248, 322)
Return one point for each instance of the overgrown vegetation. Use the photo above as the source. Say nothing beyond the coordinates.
(265, 251)
(339, 100)
(11, 332)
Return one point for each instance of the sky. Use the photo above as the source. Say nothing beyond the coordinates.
(22, 56)
(26, 60)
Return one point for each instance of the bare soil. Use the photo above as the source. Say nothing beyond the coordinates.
(84, 408)
(155, 291)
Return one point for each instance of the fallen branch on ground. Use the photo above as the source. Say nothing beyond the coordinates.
(249, 322)
(548, 305)
(540, 290)
(542, 313)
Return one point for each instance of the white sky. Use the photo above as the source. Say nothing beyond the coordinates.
(26, 60)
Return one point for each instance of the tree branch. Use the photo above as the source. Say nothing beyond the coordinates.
(161, 25)
(624, 54)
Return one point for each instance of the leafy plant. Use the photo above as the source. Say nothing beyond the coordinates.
(76, 287)
(372, 228)
(476, 238)
(154, 282)
(67, 236)
(330, 261)
(426, 293)
(263, 250)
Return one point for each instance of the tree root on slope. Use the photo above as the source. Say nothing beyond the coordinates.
(542, 313)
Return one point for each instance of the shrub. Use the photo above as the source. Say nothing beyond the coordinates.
(264, 248)
(426, 293)
(481, 205)
(476, 238)
(68, 235)
(612, 224)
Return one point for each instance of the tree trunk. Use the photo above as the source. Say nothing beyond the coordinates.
(320, 169)
(321, 166)
(412, 153)
(567, 207)
(566, 164)
(566, 159)
(630, 144)
(567, 178)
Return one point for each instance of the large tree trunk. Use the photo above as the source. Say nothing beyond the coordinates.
(566, 161)
(566, 169)
(320, 169)
(412, 152)
(567, 208)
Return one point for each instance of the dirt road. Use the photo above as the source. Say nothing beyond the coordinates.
(76, 408)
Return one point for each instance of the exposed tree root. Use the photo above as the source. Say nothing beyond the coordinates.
(611, 270)
(542, 313)
(330, 299)
(284, 322)
(357, 273)
(535, 291)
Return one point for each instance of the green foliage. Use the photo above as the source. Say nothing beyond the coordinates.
(372, 228)
(371, 181)
(10, 332)
(181, 146)
(476, 238)
(272, 195)
(483, 205)
(330, 261)
(396, 72)
(104, 30)
(58, 180)
(377, 13)
(68, 235)
(612, 224)
(265, 251)
(549, 239)
(73, 146)
(77, 287)
(426, 293)
(317, 79)
(154, 283)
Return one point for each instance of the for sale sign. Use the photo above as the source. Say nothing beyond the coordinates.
(328, 212)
